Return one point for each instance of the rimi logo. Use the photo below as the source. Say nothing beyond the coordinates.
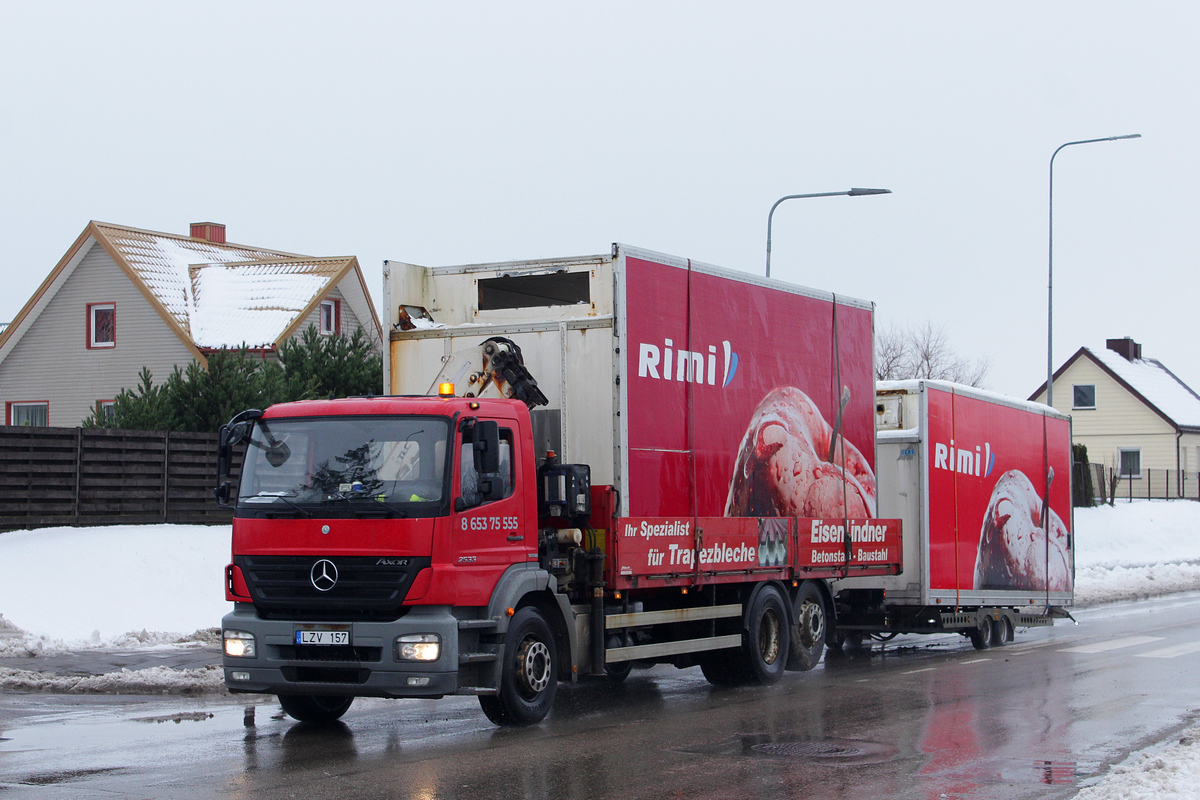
(686, 366)
(962, 460)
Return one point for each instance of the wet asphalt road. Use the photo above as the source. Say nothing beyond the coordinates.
(921, 718)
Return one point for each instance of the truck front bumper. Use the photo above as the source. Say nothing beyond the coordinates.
(368, 666)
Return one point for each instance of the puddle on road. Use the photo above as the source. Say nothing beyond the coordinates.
(1056, 773)
(52, 778)
(187, 716)
(840, 752)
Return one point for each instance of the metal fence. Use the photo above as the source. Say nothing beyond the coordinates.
(90, 476)
(1152, 484)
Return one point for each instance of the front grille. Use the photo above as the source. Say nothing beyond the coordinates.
(368, 588)
(349, 655)
(325, 675)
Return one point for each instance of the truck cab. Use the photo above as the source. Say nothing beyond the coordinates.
(369, 539)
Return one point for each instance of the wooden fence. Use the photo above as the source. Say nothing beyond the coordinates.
(91, 476)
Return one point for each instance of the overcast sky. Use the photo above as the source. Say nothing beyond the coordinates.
(448, 133)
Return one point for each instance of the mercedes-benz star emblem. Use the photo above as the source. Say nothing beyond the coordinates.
(323, 575)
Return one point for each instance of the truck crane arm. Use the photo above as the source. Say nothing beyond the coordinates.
(494, 368)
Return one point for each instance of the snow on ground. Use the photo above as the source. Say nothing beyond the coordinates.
(110, 587)
(1170, 773)
(154, 680)
(1134, 550)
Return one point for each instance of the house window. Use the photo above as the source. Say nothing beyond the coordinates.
(1130, 460)
(102, 325)
(330, 314)
(1085, 395)
(35, 415)
(108, 410)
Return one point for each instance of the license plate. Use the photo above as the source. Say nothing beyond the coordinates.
(322, 636)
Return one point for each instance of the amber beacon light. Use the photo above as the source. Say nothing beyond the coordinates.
(446, 390)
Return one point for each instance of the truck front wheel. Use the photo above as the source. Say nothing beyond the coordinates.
(809, 633)
(529, 673)
(316, 708)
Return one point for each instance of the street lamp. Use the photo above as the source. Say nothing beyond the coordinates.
(1050, 280)
(851, 193)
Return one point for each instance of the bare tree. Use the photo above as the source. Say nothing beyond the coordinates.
(924, 351)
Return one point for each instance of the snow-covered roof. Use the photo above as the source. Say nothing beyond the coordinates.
(223, 295)
(1156, 384)
(253, 303)
(211, 294)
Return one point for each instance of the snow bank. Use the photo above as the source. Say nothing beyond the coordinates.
(112, 587)
(1172, 773)
(154, 680)
(1130, 551)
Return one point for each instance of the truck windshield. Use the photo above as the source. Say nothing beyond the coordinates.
(392, 465)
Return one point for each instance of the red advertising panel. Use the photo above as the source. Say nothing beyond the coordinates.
(690, 550)
(989, 465)
(745, 400)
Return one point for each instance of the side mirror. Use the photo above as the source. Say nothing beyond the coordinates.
(231, 434)
(487, 447)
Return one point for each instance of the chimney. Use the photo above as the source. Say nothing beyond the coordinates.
(1127, 348)
(209, 231)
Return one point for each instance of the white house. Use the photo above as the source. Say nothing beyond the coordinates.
(123, 298)
(1131, 412)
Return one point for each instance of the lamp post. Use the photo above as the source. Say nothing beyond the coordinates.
(1050, 279)
(851, 193)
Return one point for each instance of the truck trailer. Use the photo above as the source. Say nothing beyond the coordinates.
(982, 485)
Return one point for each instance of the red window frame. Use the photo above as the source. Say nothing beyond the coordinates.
(336, 306)
(8, 409)
(90, 321)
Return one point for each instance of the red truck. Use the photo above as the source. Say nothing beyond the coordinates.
(581, 465)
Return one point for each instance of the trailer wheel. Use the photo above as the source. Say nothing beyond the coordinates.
(319, 709)
(809, 634)
(765, 639)
(529, 674)
(1002, 632)
(981, 634)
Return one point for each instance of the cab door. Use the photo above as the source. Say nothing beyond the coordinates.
(488, 516)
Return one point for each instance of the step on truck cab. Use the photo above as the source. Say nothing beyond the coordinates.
(580, 466)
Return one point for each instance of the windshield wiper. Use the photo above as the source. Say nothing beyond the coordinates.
(358, 508)
(304, 512)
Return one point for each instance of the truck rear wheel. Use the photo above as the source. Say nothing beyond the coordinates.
(316, 708)
(809, 633)
(765, 640)
(529, 674)
(723, 668)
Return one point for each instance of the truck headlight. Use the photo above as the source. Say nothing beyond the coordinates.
(419, 647)
(239, 644)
